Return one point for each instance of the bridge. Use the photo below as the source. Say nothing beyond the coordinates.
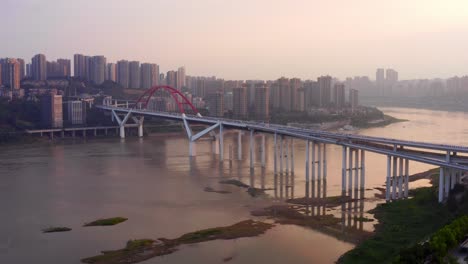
(452, 160)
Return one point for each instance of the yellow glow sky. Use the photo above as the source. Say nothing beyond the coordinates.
(248, 39)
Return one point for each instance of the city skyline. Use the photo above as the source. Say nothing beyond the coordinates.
(211, 38)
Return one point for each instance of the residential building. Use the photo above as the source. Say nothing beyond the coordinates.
(324, 86)
(353, 99)
(39, 67)
(339, 94)
(52, 110)
(134, 75)
(98, 69)
(111, 72)
(239, 102)
(123, 73)
(180, 78)
(262, 96)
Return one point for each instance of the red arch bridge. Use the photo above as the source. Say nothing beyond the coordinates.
(452, 160)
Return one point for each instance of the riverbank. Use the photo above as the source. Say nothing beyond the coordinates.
(405, 223)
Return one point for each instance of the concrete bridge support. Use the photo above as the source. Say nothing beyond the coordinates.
(281, 154)
(397, 183)
(251, 150)
(292, 156)
(307, 152)
(286, 155)
(221, 142)
(121, 122)
(350, 172)
(275, 154)
(344, 169)
(239, 145)
(263, 151)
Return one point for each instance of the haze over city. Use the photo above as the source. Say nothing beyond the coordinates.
(243, 39)
(240, 131)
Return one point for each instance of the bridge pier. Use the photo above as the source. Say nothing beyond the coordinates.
(363, 170)
(350, 172)
(400, 179)
(239, 145)
(313, 160)
(441, 185)
(324, 162)
(192, 148)
(319, 162)
(286, 155)
(394, 181)
(406, 177)
(221, 142)
(388, 191)
(356, 171)
(292, 156)
(252, 149)
(307, 152)
(275, 155)
(281, 154)
(344, 169)
(263, 151)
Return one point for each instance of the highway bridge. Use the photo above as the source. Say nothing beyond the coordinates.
(452, 159)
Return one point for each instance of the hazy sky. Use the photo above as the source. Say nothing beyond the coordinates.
(248, 39)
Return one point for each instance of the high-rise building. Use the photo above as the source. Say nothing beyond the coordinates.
(22, 68)
(284, 87)
(123, 73)
(52, 110)
(65, 66)
(79, 66)
(274, 95)
(295, 85)
(28, 70)
(390, 80)
(60, 68)
(380, 80)
(39, 67)
(180, 78)
(149, 75)
(134, 75)
(311, 94)
(239, 102)
(200, 89)
(262, 96)
(216, 104)
(353, 99)
(171, 79)
(339, 94)
(98, 69)
(324, 85)
(10, 73)
(111, 72)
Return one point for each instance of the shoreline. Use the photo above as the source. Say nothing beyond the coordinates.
(403, 224)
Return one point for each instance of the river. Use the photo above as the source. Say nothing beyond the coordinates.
(153, 182)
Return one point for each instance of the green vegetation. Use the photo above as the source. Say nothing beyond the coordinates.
(435, 250)
(404, 224)
(55, 229)
(401, 223)
(107, 221)
(367, 121)
(139, 250)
